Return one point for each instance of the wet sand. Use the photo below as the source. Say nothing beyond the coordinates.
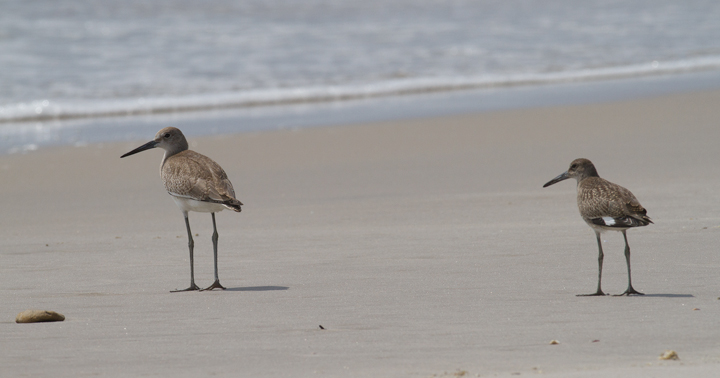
(424, 247)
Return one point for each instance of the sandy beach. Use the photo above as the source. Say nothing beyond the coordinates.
(424, 247)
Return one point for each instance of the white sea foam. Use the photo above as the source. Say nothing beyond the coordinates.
(64, 109)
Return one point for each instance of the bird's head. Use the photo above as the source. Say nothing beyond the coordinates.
(579, 170)
(170, 139)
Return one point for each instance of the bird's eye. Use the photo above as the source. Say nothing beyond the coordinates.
(573, 166)
(167, 135)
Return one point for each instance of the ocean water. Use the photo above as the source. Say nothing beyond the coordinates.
(62, 59)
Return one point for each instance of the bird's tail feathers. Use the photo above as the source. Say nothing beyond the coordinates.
(233, 205)
(622, 222)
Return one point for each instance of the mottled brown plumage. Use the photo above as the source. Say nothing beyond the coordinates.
(189, 174)
(604, 206)
(599, 198)
(196, 183)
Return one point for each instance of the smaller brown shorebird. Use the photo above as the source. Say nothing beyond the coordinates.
(604, 206)
(195, 183)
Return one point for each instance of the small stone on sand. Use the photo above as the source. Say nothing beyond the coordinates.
(554, 342)
(669, 355)
(35, 316)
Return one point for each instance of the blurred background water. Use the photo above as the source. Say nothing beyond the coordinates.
(79, 58)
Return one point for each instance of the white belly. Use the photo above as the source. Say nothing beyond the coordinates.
(187, 204)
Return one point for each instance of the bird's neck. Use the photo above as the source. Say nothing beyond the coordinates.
(174, 151)
(591, 172)
(168, 154)
(588, 173)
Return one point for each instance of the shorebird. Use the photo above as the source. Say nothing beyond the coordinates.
(196, 183)
(604, 206)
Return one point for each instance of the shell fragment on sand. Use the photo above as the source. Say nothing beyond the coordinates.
(669, 355)
(35, 316)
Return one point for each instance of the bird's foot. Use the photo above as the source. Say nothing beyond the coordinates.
(595, 294)
(628, 292)
(215, 285)
(192, 287)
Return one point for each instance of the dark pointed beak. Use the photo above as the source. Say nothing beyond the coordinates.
(562, 176)
(146, 146)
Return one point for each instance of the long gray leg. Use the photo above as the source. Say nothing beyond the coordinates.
(630, 289)
(191, 246)
(216, 284)
(601, 256)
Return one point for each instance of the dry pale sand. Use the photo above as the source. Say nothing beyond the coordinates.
(423, 247)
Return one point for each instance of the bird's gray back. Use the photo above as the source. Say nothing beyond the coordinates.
(598, 197)
(193, 175)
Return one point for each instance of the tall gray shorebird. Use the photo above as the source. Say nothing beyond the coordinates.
(604, 206)
(195, 183)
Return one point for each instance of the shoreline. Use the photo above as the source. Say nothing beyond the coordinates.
(46, 110)
(29, 136)
(424, 247)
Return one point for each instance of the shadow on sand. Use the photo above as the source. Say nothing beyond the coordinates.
(666, 295)
(257, 288)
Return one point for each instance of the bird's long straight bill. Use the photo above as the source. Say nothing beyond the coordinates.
(146, 146)
(562, 176)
